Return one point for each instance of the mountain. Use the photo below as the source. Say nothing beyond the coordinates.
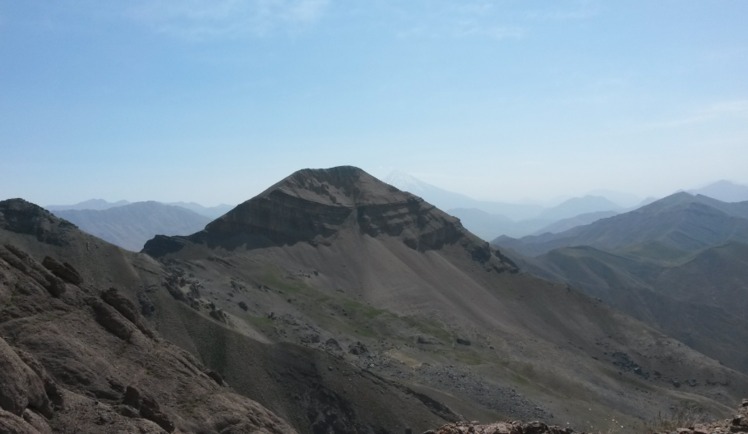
(677, 264)
(130, 226)
(319, 390)
(484, 224)
(725, 191)
(572, 222)
(93, 204)
(579, 205)
(331, 302)
(77, 355)
(448, 200)
(211, 212)
(489, 220)
(665, 230)
(357, 272)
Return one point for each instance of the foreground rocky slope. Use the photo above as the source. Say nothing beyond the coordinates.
(352, 272)
(76, 357)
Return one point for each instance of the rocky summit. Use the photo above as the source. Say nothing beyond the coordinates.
(313, 205)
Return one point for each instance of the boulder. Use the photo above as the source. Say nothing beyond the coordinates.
(64, 271)
(20, 386)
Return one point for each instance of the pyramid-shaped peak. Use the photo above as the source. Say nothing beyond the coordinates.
(323, 206)
(345, 186)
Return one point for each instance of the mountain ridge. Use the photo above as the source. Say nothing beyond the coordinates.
(130, 226)
(676, 264)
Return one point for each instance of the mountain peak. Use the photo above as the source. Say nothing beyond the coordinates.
(342, 186)
(318, 206)
(724, 190)
(313, 205)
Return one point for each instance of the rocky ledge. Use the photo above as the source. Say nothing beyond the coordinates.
(737, 424)
(500, 428)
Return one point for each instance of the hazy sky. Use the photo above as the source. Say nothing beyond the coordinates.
(215, 100)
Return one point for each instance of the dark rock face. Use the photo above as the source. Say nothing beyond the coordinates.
(147, 407)
(17, 215)
(313, 205)
(64, 271)
(20, 387)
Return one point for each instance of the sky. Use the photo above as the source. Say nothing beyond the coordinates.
(213, 101)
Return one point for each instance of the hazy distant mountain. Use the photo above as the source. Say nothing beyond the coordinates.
(484, 224)
(667, 229)
(725, 191)
(625, 200)
(579, 205)
(572, 222)
(492, 219)
(130, 226)
(94, 204)
(208, 211)
(680, 263)
(573, 212)
(448, 200)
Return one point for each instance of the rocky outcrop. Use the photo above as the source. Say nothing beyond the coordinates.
(64, 271)
(500, 428)
(736, 424)
(20, 386)
(20, 216)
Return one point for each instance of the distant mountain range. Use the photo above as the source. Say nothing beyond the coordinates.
(489, 219)
(448, 200)
(101, 204)
(679, 263)
(725, 191)
(130, 226)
